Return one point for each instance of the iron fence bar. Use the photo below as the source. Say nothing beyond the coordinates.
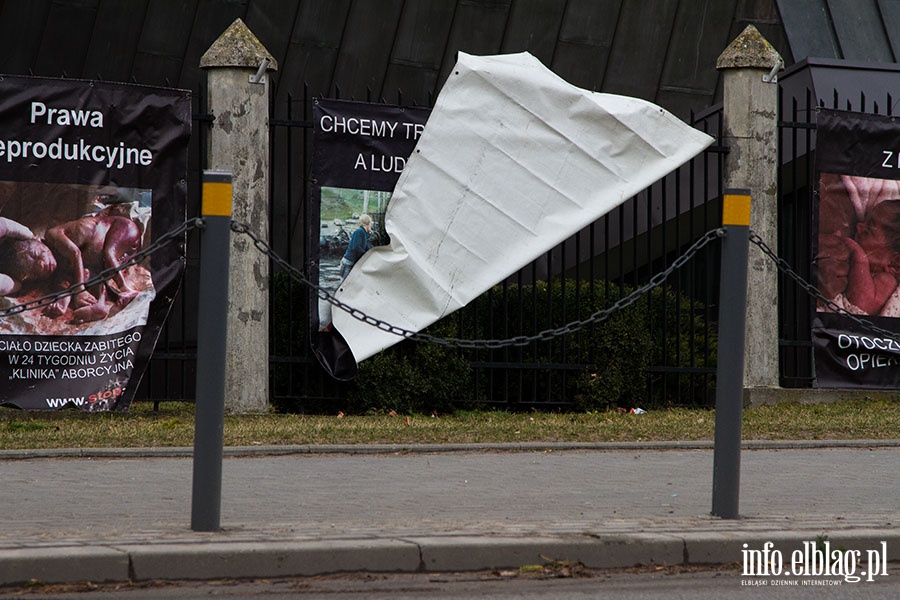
(289, 190)
(534, 321)
(681, 370)
(664, 334)
(692, 277)
(564, 301)
(174, 356)
(536, 366)
(796, 125)
(650, 380)
(808, 138)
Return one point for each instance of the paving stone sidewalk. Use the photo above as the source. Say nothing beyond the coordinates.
(115, 515)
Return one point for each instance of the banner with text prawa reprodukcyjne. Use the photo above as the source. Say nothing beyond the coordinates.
(90, 173)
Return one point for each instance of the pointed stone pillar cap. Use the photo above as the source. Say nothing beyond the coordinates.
(237, 47)
(750, 49)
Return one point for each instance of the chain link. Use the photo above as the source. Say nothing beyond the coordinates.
(522, 340)
(106, 274)
(813, 291)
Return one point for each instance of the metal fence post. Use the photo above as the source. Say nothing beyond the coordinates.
(730, 366)
(209, 412)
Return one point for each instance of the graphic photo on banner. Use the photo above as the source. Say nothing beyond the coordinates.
(99, 228)
(859, 244)
(857, 251)
(91, 173)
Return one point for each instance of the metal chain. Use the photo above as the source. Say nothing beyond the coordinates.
(814, 292)
(106, 274)
(522, 340)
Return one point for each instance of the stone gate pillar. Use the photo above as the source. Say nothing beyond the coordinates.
(238, 99)
(751, 135)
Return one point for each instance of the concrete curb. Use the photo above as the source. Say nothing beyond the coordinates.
(63, 564)
(446, 553)
(288, 450)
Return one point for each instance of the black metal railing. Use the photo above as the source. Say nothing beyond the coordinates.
(618, 253)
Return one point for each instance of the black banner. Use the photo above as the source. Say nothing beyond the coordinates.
(90, 174)
(360, 150)
(857, 250)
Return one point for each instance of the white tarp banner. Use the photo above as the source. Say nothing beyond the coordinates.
(513, 161)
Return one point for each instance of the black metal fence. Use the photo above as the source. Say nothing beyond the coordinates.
(796, 129)
(619, 252)
(798, 104)
(605, 260)
(171, 373)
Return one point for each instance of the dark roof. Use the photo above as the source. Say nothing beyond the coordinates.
(856, 30)
(661, 50)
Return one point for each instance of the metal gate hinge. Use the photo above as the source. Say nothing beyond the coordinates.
(772, 77)
(260, 75)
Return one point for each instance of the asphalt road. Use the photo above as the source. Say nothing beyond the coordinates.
(640, 584)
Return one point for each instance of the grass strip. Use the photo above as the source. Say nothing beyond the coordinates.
(173, 425)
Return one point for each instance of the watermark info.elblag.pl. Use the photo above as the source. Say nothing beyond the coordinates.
(816, 563)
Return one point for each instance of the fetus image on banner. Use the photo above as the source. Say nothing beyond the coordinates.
(859, 244)
(41, 256)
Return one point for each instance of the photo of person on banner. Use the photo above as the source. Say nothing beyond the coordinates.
(858, 255)
(359, 152)
(352, 228)
(359, 245)
(87, 246)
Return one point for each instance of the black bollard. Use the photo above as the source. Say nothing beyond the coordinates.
(209, 411)
(730, 366)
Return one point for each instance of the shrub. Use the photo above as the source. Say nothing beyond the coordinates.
(596, 367)
(657, 329)
(412, 377)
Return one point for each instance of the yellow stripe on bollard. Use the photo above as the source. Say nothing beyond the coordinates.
(216, 199)
(736, 209)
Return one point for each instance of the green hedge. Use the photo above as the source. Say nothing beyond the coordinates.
(417, 377)
(655, 330)
(413, 377)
